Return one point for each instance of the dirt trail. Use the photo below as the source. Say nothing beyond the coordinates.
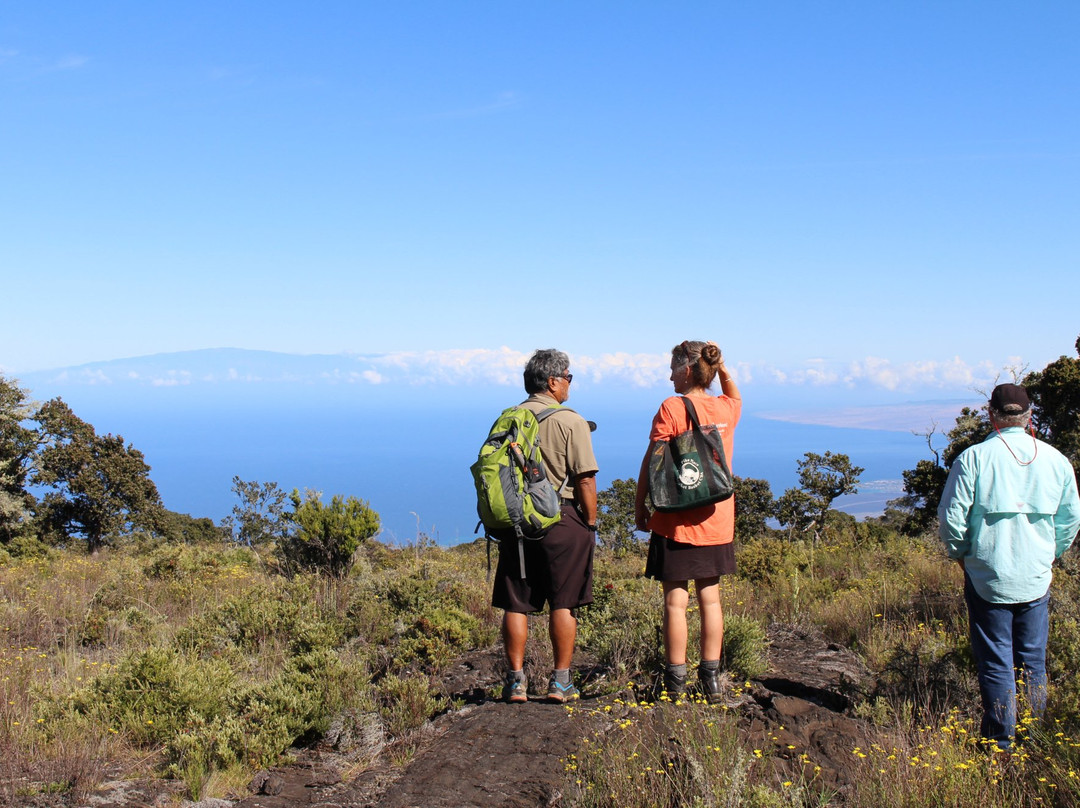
(495, 755)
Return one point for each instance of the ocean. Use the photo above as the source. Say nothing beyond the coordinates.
(408, 455)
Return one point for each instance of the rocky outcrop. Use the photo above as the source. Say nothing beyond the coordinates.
(799, 713)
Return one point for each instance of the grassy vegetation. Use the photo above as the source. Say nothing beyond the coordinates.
(197, 663)
(192, 662)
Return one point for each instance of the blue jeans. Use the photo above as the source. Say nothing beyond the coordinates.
(1009, 644)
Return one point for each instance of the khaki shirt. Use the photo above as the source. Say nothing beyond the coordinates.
(565, 442)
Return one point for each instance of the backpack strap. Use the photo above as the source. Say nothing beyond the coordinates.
(519, 540)
(540, 416)
(543, 415)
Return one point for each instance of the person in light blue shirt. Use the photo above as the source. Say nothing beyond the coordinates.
(1009, 508)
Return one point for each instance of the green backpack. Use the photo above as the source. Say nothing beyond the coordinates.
(514, 497)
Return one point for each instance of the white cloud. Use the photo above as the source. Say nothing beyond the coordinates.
(172, 378)
(503, 366)
(814, 371)
(641, 370)
(776, 375)
(235, 375)
(93, 376)
(951, 373)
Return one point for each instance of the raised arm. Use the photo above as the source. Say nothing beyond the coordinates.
(727, 383)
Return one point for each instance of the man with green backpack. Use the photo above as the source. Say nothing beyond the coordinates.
(544, 557)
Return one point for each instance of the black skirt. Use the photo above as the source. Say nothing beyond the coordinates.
(670, 560)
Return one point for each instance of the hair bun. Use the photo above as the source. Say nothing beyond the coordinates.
(711, 353)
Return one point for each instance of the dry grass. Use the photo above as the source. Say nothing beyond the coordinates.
(299, 651)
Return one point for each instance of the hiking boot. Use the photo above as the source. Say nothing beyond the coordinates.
(560, 693)
(674, 684)
(712, 687)
(515, 690)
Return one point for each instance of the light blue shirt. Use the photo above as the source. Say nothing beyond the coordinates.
(1006, 520)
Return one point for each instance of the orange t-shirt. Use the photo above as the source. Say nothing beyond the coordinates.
(709, 524)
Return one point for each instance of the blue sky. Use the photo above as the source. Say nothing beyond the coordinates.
(829, 188)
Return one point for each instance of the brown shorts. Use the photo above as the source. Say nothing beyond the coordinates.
(671, 560)
(558, 569)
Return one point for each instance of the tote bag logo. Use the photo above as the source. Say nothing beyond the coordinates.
(691, 469)
(689, 475)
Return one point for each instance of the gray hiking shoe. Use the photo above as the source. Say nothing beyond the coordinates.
(560, 693)
(516, 690)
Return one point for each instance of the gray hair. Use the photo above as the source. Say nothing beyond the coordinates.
(542, 365)
(702, 357)
(1007, 419)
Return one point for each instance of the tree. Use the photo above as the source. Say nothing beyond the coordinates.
(326, 536)
(615, 516)
(972, 426)
(822, 478)
(1055, 407)
(754, 506)
(187, 529)
(101, 487)
(1055, 404)
(915, 512)
(924, 484)
(796, 510)
(260, 516)
(17, 445)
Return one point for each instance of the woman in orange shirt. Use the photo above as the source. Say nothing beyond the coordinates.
(694, 544)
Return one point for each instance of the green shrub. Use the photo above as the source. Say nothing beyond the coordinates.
(745, 646)
(622, 626)
(438, 636)
(282, 614)
(406, 702)
(411, 592)
(204, 716)
(326, 536)
(24, 545)
(180, 561)
(763, 559)
(368, 618)
(1063, 661)
(149, 696)
(931, 675)
(113, 616)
